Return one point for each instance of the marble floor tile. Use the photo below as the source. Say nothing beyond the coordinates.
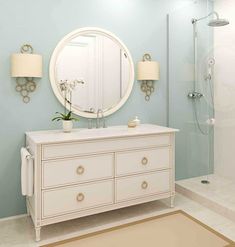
(220, 192)
(20, 232)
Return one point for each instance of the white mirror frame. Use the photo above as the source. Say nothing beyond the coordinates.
(61, 45)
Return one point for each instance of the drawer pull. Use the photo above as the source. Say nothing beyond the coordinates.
(144, 185)
(144, 161)
(80, 170)
(80, 197)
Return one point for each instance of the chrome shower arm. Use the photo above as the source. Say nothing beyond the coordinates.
(202, 18)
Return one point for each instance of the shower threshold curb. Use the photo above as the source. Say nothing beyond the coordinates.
(205, 201)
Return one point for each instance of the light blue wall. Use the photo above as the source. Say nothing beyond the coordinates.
(141, 24)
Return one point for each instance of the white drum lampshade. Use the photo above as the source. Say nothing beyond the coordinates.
(26, 65)
(148, 71)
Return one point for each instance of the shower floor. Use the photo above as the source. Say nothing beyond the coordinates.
(219, 195)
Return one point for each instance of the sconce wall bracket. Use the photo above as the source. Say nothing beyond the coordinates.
(147, 87)
(25, 86)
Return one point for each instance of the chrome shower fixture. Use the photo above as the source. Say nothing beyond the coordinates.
(217, 22)
(211, 61)
(205, 181)
(195, 95)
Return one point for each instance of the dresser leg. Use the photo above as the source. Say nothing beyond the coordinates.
(172, 201)
(38, 233)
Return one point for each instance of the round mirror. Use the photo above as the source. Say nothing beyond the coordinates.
(98, 68)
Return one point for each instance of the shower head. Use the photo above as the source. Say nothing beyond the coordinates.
(218, 22)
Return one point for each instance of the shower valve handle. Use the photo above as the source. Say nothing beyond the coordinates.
(195, 95)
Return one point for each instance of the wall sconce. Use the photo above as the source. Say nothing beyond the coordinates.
(148, 71)
(26, 66)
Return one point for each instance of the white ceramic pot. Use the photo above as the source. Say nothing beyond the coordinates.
(67, 125)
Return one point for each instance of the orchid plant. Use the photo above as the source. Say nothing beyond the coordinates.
(67, 88)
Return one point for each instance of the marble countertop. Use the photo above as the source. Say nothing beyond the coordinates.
(55, 136)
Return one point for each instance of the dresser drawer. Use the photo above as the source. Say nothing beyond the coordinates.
(71, 149)
(143, 185)
(83, 169)
(142, 161)
(77, 198)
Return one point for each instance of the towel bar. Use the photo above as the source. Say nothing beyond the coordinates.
(28, 157)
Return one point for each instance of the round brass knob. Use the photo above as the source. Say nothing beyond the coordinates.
(144, 185)
(144, 161)
(80, 170)
(80, 197)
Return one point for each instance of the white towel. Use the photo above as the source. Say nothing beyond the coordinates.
(26, 173)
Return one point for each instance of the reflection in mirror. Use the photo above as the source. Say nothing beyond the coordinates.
(102, 64)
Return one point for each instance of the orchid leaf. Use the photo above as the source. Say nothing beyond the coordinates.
(67, 117)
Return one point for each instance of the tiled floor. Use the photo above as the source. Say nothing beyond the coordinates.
(20, 233)
(219, 194)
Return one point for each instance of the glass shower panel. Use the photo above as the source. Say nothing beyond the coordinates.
(189, 52)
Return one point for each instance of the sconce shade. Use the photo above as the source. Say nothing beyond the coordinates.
(26, 65)
(148, 70)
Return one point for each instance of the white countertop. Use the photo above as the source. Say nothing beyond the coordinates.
(55, 136)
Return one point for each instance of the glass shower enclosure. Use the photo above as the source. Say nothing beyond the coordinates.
(190, 46)
(201, 99)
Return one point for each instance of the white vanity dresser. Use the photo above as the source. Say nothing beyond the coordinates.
(87, 172)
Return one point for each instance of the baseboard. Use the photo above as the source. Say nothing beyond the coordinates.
(13, 217)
